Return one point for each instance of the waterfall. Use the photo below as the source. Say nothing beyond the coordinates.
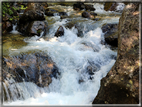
(14, 31)
(82, 63)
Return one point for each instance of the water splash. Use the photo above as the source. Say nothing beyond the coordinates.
(14, 31)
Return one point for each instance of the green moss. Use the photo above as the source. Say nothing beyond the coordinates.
(39, 31)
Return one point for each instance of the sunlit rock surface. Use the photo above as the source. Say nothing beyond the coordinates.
(121, 85)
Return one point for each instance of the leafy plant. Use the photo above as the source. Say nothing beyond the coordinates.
(22, 7)
(6, 9)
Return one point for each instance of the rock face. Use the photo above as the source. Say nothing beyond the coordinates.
(37, 68)
(111, 34)
(121, 85)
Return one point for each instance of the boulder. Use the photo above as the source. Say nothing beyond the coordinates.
(50, 12)
(35, 67)
(79, 6)
(114, 7)
(89, 7)
(77, 26)
(89, 15)
(63, 15)
(121, 84)
(34, 12)
(111, 34)
(33, 28)
(32, 21)
(36, 27)
(59, 32)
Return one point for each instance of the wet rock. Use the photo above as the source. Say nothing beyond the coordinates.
(89, 15)
(91, 70)
(34, 12)
(89, 7)
(33, 28)
(59, 32)
(63, 15)
(121, 84)
(35, 67)
(70, 25)
(79, 6)
(36, 27)
(114, 7)
(86, 15)
(111, 34)
(50, 12)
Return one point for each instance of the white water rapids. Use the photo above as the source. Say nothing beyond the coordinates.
(72, 57)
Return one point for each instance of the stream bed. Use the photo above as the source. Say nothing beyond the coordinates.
(72, 55)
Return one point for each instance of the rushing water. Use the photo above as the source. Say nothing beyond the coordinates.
(72, 55)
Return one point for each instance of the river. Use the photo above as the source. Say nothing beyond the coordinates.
(72, 55)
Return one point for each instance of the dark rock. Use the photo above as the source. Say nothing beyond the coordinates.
(33, 28)
(86, 15)
(63, 14)
(36, 27)
(96, 19)
(79, 6)
(59, 32)
(112, 7)
(34, 67)
(77, 26)
(34, 12)
(121, 84)
(6, 27)
(90, 7)
(91, 70)
(111, 34)
(50, 12)
(32, 15)
(112, 40)
(89, 15)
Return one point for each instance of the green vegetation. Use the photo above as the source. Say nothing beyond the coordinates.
(6, 9)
